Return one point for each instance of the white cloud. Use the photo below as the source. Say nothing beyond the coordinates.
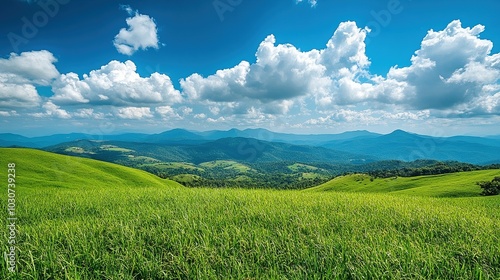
(167, 112)
(451, 72)
(313, 3)
(186, 110)
(8, 113)
(115, 84)
(141, 33)
(218, 120)
(52, 110)
(282, 74)
(452, 75)
(36, 67)
(417, 115)
(16, 96)
(368, 117)
(226, 85)
(344, 54)
(84, 113)
(19, 74)
(134, 113)
(451, 68)
(214, 110)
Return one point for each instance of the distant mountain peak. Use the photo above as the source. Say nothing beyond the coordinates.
(400, 131)
(400, 134)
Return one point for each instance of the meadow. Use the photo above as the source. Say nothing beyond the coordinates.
(460, 184)
(84, 219)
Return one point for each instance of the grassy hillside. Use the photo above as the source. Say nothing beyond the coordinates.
(462, 184)
(226, 164)
(82, 219)
(37, 169)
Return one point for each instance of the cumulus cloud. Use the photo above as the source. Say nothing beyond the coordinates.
(19, 74)
(134, 113)
(453, 74)
(283, 74)
(344, 54)
(8, 113)
(52, 110)
(280, 72)
(141, 33)
(218, 120)
(115, 84)
(36, 67)
(167, 112)
(17, 96)
(451, 68)
(84, 113)
(368, 116)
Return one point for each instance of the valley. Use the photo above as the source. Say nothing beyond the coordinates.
(258, 158)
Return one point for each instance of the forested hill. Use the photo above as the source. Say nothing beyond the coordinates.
(398, 145)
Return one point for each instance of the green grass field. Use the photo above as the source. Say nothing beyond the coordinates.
(226, 164)
(114, 148)
(299, 167)
(84, 219)
(177, 165)
(461, 184)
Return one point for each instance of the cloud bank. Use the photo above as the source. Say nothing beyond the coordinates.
(453, 74)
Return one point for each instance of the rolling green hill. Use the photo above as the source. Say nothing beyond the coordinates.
(53, 170)
(84, 219)
(226, 164)
(462, 184)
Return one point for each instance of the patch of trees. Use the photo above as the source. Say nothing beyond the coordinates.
(490, 188)
(433, 169)
(260, 181)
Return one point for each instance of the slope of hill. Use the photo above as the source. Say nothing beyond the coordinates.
(38, 169)
(462, 184)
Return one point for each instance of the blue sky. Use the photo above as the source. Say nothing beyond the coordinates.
(430, 67)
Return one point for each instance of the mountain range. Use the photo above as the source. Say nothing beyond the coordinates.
(265, 145)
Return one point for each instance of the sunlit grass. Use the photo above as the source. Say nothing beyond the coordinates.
(158, 230)
(461, 184)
